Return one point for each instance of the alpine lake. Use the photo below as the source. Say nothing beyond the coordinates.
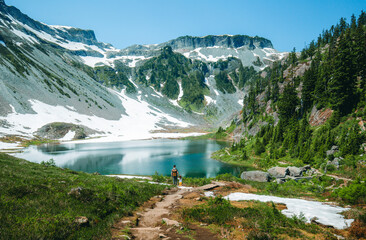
(141, 157)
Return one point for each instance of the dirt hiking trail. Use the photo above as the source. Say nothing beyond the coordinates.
(155, 220)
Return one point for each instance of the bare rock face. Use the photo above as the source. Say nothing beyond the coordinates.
(279, 172)
(257, 176)
(296, 71)
(319, 117)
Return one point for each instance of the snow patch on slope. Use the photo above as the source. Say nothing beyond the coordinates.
(69, 136)
(140, 120)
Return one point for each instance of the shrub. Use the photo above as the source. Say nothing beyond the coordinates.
(49, 163)
(354, 193)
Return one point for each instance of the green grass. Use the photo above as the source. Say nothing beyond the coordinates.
(35, 204)
(28, 143)
(187, 181)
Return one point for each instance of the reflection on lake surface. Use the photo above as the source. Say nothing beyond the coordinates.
(144, 157)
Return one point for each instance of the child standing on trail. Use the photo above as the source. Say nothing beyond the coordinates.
(175, 175)
(180, 181)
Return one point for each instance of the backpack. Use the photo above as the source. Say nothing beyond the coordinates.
(174, 172)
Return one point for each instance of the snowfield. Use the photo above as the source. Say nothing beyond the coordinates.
(140, 120)
(326, 214)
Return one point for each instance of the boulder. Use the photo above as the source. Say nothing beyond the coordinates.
(75, 191)
(280, 180)
(332, 151)
(336, 162)
(257, 176)
(82, 221)
(295, 171)
(278, 172)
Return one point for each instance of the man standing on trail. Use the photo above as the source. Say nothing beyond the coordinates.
(175, 175)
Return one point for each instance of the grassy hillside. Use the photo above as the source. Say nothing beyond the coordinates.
(36, 201)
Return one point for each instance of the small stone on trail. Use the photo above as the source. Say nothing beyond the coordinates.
(171, 222)
(162, 235)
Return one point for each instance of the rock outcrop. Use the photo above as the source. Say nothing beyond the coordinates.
(279, 172)
(58, 130)
(318, 117)
(257, 176)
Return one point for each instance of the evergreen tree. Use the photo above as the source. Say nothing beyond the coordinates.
(343, 81)
(288, 103)
(292, 57)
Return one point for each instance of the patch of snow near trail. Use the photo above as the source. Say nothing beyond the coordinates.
(2, 43)
(326, 214)
(128, 176)
(209, 194)
(69, 136)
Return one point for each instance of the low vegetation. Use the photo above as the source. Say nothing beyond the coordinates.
(256, 221)
(40, 201)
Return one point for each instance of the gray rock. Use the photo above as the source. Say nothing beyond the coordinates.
(75, 191)
(257, 176)
(332, 151)
(280, 180)
(336, 162)
(335, 148)
(295, 171)
(82, 221)
(279, 172)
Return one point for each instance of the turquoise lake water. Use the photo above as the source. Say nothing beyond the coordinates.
(143, 157)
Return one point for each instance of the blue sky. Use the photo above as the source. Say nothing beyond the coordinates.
(287, 23)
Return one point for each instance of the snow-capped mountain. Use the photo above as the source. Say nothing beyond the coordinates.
(63, 74)
(252, 51)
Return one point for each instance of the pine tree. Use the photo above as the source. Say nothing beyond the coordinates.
(288, 103)
(343, 81)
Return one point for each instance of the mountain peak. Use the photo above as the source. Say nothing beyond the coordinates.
(229, 41)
